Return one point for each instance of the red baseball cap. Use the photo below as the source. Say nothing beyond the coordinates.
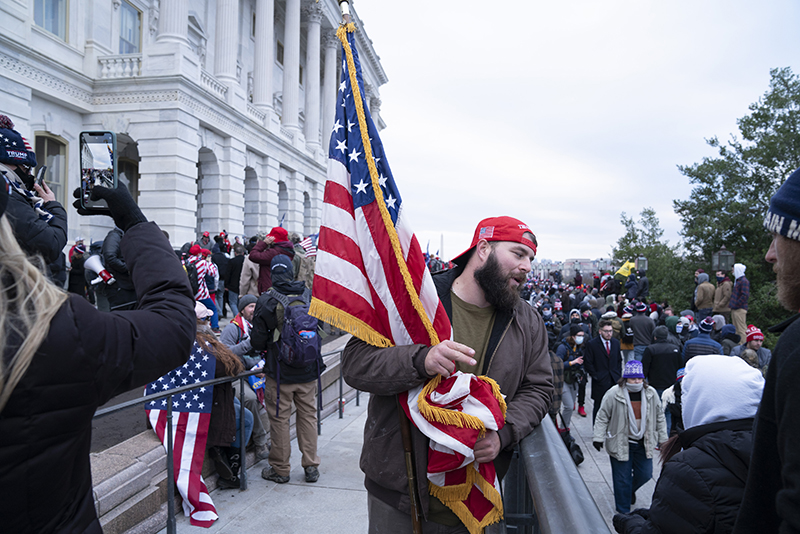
(195, 250)
(280, 234)
(206, 234)
(497, 229)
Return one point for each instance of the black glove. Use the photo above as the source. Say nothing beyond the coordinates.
(627, 522)
(598, 445)
(121, 206)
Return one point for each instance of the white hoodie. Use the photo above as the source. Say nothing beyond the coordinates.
(719, 388)
(738, 270)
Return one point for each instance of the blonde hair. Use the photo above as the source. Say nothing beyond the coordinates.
(28, 302)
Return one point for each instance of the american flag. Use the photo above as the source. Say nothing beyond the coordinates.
(308, 246)
(371, 278)
(191, 412)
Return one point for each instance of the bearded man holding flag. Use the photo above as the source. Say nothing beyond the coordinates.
(421, 343)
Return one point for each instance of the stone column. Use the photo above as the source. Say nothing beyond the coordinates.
(329, 86)
(264, 54)
(291, 67)
(313, 14)
(227, 41)
(173, 21)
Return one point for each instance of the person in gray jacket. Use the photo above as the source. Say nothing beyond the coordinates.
(236, 336)
(755, 340)
(496, 333)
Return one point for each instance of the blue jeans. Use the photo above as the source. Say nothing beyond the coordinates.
(638, 351)
(630, 476)
(208, 303)
(233, 302)
(248, 423)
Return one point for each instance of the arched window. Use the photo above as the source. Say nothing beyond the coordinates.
(52, 151)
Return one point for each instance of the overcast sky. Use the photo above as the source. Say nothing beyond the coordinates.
(564, 114)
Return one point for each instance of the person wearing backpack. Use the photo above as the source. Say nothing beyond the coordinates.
(293, 365)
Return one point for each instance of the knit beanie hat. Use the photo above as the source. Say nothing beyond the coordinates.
(783, 215)
(575, 329)
(633, 369)
(706, 325)
(627, 309)
(246, 300)
(195, 250)
(280, 234)
(660, 333)
(753, 333)
(641, 307)
(14, 149)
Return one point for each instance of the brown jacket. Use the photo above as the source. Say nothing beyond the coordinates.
(705, 296)
(722, 296)
(248, 282)
(517, 359)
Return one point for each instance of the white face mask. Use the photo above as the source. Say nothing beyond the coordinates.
(579, 340)
(679, 328)
(634, 387)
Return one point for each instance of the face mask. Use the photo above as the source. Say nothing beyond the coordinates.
(26, 176)
(720, 279)
(547, 314)
(634, 387)
(575, 320)
(679, 328)
(579, 340)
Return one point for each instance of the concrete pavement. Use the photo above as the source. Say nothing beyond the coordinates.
(337, 503)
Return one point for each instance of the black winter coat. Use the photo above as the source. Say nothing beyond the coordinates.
(772, 497)
(700, 488)
(88, 357)
(34, 235)
(265, 321)
(660, 363)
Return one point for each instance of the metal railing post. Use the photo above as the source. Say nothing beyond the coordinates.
(242, 444)
(172, 526)
(341, 389)
(319, 406)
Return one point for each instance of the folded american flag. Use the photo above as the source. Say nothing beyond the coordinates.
(454, 415)
(191, 412)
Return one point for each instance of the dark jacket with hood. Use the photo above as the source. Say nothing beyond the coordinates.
(262, 255)
(631, 287)
(516, 358)
(266, 319)
(661, 360)
(88, 357)
(33, 234)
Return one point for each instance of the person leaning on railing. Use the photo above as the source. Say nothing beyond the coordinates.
(62, 358)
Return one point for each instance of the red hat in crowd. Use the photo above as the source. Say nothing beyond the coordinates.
(498, 229)
(280, 234)
(206, 234)
(753, 333)
(195, 250)
(205, 252)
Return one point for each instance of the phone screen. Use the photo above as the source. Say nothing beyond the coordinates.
(98, 165)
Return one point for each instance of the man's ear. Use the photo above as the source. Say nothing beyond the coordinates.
(482, 250)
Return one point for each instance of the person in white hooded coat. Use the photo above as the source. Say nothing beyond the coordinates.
(701, 487)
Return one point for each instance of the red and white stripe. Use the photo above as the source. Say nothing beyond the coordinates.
(450, 454)
(308, 246)
(357, 270)
(189, 435)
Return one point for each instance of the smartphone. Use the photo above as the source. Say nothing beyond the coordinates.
(98, 166)
(40, 175)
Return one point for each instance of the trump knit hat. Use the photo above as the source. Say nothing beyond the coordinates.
(497, 229)
(14, 149)
(753, 333)
(783, 215)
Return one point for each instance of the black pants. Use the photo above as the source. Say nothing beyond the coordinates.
(582, 392)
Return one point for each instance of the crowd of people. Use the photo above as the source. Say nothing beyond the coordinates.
(696, 386)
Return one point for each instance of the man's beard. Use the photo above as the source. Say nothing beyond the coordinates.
(789, 275)
(495, 286)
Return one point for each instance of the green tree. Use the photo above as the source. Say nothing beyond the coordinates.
(731, 191)
(670, 279)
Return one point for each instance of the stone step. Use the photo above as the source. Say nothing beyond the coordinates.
(130, 479)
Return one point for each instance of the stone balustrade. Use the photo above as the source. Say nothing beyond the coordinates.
(120, 66)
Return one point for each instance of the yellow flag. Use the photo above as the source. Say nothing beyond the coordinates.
(626, 269)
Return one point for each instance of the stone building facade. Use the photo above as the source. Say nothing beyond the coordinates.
(222, 108)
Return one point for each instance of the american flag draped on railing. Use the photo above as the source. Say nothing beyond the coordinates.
(191, 413)
(372, 280)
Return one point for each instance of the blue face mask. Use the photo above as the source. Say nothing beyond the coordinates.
(720, 279)
(578, 340)
(679, 328)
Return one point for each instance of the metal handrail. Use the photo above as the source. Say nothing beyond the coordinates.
(561, 499)
(171, 518)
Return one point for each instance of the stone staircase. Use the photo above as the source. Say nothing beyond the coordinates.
(130, 479)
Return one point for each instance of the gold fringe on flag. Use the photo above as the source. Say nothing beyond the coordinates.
(340, 319)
